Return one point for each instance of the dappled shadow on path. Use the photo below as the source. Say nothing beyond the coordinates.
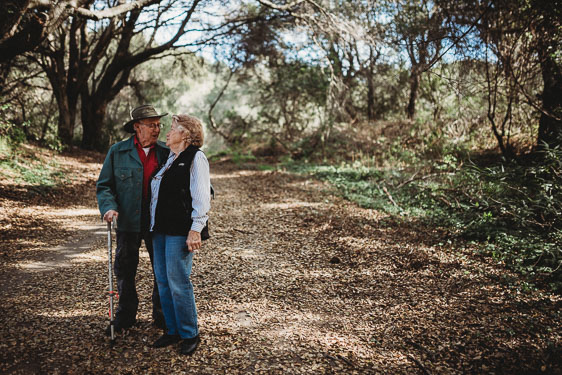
(294, 280)
(36, 219)
(43, 261)
(397, 300)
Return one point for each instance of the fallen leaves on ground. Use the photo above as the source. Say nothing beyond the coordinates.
(293, 280)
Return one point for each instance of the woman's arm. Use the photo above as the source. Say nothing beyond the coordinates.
(200, 188)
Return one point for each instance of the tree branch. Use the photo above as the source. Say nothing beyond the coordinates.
(112, 12)
(287, 7)
(212, 122)
(137, 59)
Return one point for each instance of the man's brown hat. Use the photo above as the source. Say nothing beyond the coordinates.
(139, 113)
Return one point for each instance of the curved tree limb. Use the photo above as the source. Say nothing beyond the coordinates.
(114, 11)
(212, 122)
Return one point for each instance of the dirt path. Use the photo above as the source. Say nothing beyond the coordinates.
(293, 280)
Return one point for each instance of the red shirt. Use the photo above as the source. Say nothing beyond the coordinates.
(149, 165)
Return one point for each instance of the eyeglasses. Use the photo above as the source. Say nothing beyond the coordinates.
(152, 126)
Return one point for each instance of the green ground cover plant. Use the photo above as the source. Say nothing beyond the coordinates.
(25, 167)
(510, 211)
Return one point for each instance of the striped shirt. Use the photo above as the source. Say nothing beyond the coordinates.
(199, 186)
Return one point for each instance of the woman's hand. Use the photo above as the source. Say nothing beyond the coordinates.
(193, 240)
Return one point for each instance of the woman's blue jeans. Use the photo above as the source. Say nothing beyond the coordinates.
(172, 267)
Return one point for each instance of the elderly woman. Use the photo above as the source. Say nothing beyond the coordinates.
(179, 204)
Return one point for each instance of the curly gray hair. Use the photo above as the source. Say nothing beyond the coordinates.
(192, 126)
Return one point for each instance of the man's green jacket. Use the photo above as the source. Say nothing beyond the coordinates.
(119, 185)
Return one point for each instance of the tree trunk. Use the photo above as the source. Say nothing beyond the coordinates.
(66, 99)
(370, 97)
(67, 120)
(48, 116)
(550, 126)
(93, 114)
(414, 86)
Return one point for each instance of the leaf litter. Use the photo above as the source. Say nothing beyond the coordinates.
(293, 280)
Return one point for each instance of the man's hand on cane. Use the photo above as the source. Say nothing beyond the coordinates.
(109, 215)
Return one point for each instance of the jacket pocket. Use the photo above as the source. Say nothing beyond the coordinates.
(122, 174)
(124, 179)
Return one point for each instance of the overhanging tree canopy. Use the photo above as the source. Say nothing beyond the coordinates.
(26, 23)
(91, 61)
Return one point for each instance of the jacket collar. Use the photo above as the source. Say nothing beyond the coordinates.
(138, 145)
(129, 145)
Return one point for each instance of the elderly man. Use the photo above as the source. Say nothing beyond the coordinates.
(123, 193)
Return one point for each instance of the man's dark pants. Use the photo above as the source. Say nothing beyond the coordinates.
(126, 264)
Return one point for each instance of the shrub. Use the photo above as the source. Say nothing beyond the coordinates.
(513, 211)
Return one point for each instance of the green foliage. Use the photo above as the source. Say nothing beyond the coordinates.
(517, 211)
(54, 143)
(239, 158)
(291, 100)
(24, 165)
(13, 135)
(512, 212)
(35, 171)
(354, 181)
(173, 84)
(5, 147)
(265, 167)
(237, 155)
(9, 131)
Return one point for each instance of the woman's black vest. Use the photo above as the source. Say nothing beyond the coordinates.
(173, 210)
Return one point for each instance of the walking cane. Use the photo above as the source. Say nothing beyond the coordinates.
(110, 272)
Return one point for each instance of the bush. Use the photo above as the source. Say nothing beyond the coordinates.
(517, 212)
(513, 212)
(9, 131)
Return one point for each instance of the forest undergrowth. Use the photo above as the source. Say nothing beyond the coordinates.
(510, 210)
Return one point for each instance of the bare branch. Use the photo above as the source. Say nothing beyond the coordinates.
(212, 122)
(115, 11)
(76, 8)
(287, 7)
(41, 4)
